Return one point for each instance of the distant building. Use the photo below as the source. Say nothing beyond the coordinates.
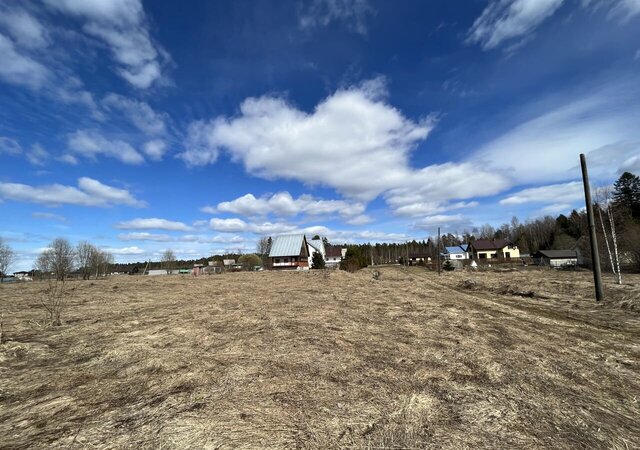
(290, 251)
(556, 258)
(418, 257)
(23, 275)
(316, 246)
(334, 255)
(456, 252)
(494, 249)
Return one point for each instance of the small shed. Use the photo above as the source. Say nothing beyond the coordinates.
(556, 258)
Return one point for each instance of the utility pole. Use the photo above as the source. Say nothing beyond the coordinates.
(595, 256)
(438, 251)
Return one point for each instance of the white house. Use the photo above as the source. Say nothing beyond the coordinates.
(316, 246)
(456, 252)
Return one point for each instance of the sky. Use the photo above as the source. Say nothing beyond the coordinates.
(200, 126)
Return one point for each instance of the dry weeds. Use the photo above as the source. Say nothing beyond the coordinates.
(305, 360)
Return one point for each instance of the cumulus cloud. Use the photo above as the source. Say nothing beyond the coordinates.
(155, 149)
(448, 222)
(153, 224)
(89, 192)
(505, 20)
(283, 204)
(122, 26)
(90, 144)
(320, 13)
(236, 225)
(349, 136)
(554, 193)
(123, 250)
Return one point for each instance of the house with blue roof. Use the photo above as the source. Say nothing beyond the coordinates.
(457, 252)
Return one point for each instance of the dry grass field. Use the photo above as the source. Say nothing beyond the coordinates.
(522, 359)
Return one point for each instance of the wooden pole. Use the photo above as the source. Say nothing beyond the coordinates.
(595, 255)
(438, 251)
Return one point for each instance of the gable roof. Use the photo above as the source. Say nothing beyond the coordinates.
(486, 244)
(457, 249)
(558, 253)
(287, 245)
(318, 244)
(334, 251)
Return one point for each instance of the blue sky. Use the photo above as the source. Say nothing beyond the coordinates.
(200, 126)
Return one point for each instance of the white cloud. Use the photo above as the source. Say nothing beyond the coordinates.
(602, 124)
(48, 216)
(351, 12)
(554, 193)
(362, 219)
(350, 136)
(124, 250)
(239, 226)
(155, 149)
(283, 204)
(353, 141)
(406, 206)
(122, 26)
(153, 224)
(448, 223)
(37, 155)
(89, 192)
(625, 10)
(90, 144)
(200, 145)
(9, 146)
(144, 236)
(19, 68)
(24, 28)
(554, 209)
(504, 20)
(139, 113)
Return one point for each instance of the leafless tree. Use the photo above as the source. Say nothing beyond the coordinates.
(99, 262)
(7, 257)
(85, 254)
(605, 204)
(168, 260)
(58, 259)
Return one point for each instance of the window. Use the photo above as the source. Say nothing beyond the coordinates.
(277, 260)
(482, 255)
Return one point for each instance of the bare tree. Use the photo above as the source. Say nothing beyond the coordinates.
(85, 254)
(99, 262)
(58, 259)
(605, 204)
(7, 257)
(168, 260)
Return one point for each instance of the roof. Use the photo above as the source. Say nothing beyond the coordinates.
(457, 249)
(486, 244)
(551, 254)
(318, 244)
(287, 245)
(334, 251)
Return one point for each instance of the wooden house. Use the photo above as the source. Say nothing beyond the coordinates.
(290, 251)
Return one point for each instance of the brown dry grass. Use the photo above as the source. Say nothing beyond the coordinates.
(297, 360)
